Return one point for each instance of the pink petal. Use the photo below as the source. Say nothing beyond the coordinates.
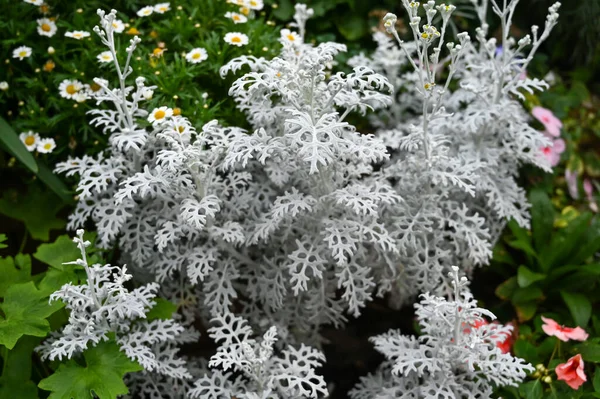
(588, 188)
(559, 146)
(577, 334)
(571, 178)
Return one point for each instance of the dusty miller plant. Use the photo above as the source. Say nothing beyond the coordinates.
(449, 359)
(455, 153)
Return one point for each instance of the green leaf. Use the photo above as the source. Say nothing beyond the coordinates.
(542, 218)
(531, 390)
(15, 381)
(54, 183)
(2, 239)
(13, 144)
(507, 289)
(162, 309)
(54, 254)
(526, 350)
(565, 243)
(105, 367)
(579, 306)
(13, 271)
(25, 311)
(37, 210)
(596, 380)
(590, 244)
(526, 277)
(352, 26)
(526, 311)
(590, 351)
(523, 295)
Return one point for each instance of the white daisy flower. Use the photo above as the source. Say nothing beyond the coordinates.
(236, 39)
(180, 127)
(254, 4)
(236, 18)
(82, 95)
(287, 36)
(197, 55)
(46, 146)
(159, 115)
(118, 26)
(162, 8)
(77, 34)
(35, 2)
(3, 86)
(105, 56)
(69, 88)
(144, 12)
(22, 52)
(46, 27)
(30, 139)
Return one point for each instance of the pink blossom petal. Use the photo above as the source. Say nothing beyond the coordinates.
(571, 178)
(559, 146)
(578, 334)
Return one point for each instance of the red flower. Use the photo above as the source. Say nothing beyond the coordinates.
(504, 345)
(571, 372)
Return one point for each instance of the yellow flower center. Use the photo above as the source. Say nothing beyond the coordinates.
(236, 18)
(147, 12)
(176, 111)
(77, 35)
(49, 66)
(115, 25)
(424, 35)
(160, 114)
(236, 39)
(47, 146)
(180, 129)
(163, 9)
(253, 3)
(46, 27)
(44, 9)
(23, 54)
(196, 56)
(291, 37)
(29, 140)
(95, 87)
(106, 57)
(245, 10)
(133, 31)
(71, 89)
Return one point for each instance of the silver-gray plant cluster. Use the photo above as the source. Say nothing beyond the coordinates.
(304, 219)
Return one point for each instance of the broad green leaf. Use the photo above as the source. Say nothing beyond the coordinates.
(590, 351)
(10, 140)
(542, 218)
(25, 310)
(526, 310)
(51, 180)
(37, 209)
(526, 350)
(15, 381)
(105, 367)
(528, 294)
(162, 309)
(54, 279)
(565, 243)
(593, 270)
(54, 254)
(531, 390)
(579, 306)
(352, 26)
(507, 289)
(526, 277)
(13, 271)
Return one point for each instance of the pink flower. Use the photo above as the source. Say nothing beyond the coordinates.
(571, 372)
(550, 122)
(552, 153)
(552, 328)
(589, 190)
(571, 178)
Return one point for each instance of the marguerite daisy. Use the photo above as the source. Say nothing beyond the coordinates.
(69, 88)
(287, 36)
(159, 115)
(162, 8)
(144, 12)
(197, 55)
(236, 39)
(35, 2)
(105, 56)
(46, 146)
(46, 27)
(22, 52)
(77, 34)
(30, 139)
(236, 18)
(255, 4)
(118, 26)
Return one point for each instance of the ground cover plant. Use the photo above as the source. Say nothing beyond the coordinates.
(209, 199)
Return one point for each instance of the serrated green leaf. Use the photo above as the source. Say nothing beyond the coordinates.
(15, 381)
(10, 140)
(54, 254)
(13, 271)
(162, 309)
(105, 367)
(526, 277)
(579, 306)
(25, 311)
